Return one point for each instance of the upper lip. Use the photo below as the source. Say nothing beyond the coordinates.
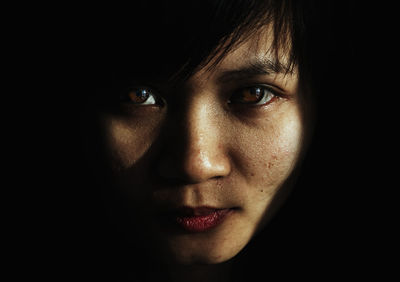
(197, 211)
(193, 211)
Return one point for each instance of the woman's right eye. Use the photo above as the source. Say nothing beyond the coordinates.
(141, 96)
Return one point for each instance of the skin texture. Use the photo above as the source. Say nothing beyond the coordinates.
(199, 149)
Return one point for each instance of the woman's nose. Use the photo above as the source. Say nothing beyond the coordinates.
(196, 149)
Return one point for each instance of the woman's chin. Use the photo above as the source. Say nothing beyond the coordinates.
(213, 247)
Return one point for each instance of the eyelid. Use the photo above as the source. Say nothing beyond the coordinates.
(274, 89)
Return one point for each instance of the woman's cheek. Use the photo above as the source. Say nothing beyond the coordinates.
(269, 163)
(126, 141)
(127, 144)
(286, 143)
(275, 154)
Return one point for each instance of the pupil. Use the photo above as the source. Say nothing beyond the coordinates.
(142, 94)
(256, 91)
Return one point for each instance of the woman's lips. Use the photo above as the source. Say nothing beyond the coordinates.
(199, 219)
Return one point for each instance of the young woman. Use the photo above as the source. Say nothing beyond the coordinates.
(198, 125)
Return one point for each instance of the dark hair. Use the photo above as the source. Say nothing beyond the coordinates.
(212, 28)
(171, 40)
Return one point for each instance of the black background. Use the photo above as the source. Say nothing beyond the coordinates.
(346, 221)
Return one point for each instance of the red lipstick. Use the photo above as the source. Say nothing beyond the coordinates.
(200, 219)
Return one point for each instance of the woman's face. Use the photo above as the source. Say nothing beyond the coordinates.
(199, 166)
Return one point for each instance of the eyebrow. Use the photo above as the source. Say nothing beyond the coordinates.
(255, 68)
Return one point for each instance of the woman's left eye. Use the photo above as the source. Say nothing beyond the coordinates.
(255, 95)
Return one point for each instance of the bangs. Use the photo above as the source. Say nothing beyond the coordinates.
(171, 40)
(232, 23)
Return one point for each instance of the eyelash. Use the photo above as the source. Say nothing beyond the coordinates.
(146, 96)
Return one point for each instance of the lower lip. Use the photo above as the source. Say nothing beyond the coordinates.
(202, 223)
